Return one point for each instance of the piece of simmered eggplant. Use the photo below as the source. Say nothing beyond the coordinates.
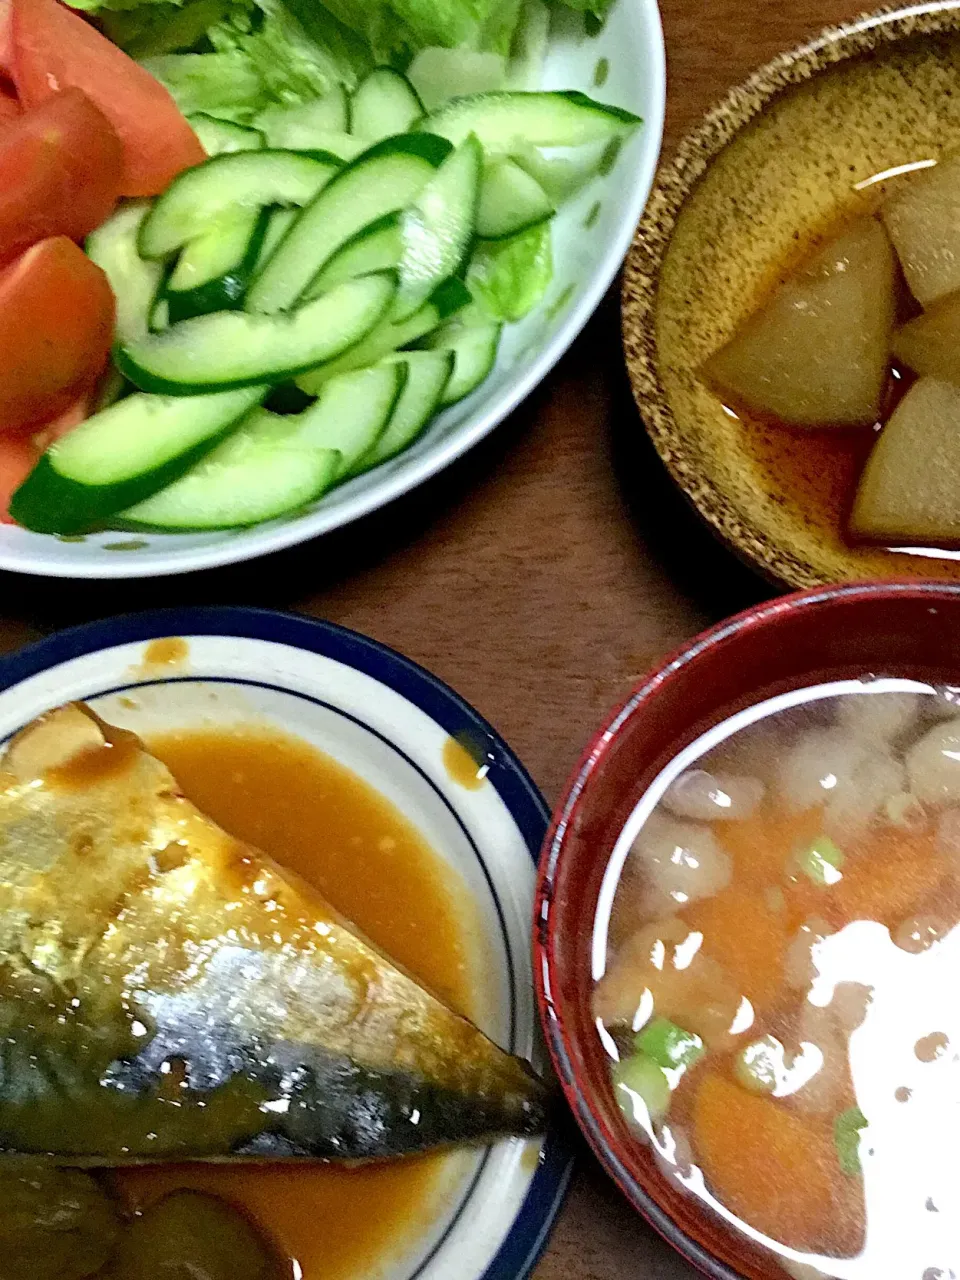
(817, 352)
(167, 992)
(910, 488)
(188, 1235)
(930, 344)
(923, 219)
(55, 1224)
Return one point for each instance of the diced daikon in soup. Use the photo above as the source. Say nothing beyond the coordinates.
(777, 962)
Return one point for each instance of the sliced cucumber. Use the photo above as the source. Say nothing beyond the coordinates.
(281, 220)
(261, 471)
(344, 146)
(389, 336)
(113, 247)
(246, 179)
(213, 271)
(222, 137)
(439, 74)
(384, 103)
(474, 348)
(298, 127)
(529, 49)
(437, 228)
(427, 375)
(375, 248)
(237, 349)
(122, 455)
(352, 412)
(564, 172)
(502, 120)
(159, 314)
(383, 180)
(510, 201)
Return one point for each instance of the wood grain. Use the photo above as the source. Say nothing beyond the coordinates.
(541, 576)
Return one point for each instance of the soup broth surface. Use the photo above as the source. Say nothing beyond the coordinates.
(776, 959)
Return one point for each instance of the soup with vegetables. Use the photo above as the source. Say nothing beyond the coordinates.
(776, 962)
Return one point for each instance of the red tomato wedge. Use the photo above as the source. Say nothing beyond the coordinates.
(6, 38)
(55, 49)
(18, 457)
(60, 168)
(9, 108)
(56, 326)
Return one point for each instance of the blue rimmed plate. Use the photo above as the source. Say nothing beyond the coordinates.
(390, 722)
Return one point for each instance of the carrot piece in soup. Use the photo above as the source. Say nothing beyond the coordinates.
(886, 879)
(762, 846)
(777, 1172)
(747, 937)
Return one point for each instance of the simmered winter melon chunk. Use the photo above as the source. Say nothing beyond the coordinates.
(910, 488)
(930, 345)
(923, 219)
(816, 353)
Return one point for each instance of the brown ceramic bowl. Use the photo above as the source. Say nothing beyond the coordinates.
(752, 188)
(899, 629)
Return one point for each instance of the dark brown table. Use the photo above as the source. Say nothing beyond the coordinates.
(540, 576)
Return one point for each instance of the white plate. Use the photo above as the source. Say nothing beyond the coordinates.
(587, 253)
(388, 720)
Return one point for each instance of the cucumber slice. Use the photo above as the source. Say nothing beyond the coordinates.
(529, 49)
(236, 349)
(383, 180)
(159, 314)
(343, 146)
(223, 137)
(213, 271)
(510, 201)
(384, 103)
(122, 455)
(502, 120)
(296, 128)
(427, 375)
(389, 336)
(437, 228)
(438, 74)
(280, 222)
(563, 175)
(352, 412)
(474, 349)
(261, 471)
(375, 248)
(245, 179)
(113, 247)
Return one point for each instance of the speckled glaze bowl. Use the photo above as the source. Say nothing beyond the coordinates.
(750, 190)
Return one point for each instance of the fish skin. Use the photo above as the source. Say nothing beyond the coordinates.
(167, 992)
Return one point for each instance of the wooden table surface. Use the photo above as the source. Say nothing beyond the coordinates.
(540, 577)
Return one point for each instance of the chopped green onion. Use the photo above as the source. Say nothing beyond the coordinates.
(822, 861)
(846, 1137)
(669, 1045)
(759, 1066)
(642, 1089)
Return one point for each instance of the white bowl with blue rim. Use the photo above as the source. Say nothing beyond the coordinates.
(624, 65)
(388, 720)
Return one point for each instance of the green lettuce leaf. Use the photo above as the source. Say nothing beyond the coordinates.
(509, 277)
(219, 84)
(395, 30)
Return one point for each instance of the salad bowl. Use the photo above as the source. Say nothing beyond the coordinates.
(622, 64)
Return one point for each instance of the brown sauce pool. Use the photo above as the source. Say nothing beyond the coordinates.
(322, 821)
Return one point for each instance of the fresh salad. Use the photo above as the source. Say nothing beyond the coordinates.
(250, 249)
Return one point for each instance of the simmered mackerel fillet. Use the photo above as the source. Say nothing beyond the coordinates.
(168, 992)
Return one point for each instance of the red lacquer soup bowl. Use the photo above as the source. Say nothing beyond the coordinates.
(894, 629)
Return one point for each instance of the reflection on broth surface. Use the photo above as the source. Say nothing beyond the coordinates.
(776, 955)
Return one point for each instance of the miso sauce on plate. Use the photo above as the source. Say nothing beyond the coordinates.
(328, 825)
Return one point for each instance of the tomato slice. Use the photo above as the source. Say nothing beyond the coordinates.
(18, 457)
(9, 108)
(60, 167)
(54, 48)
(56, 326)
(6, 38)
